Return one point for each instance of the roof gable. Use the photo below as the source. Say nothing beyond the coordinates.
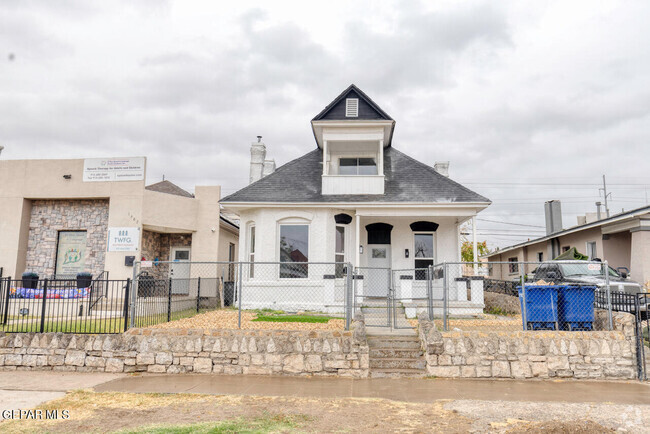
(368, 109)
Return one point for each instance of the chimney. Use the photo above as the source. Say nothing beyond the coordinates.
(442, 167)
(269, 167)
(553, 214)
(258, 155)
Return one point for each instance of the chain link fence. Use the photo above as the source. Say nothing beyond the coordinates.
(315, 291)
(555, 295)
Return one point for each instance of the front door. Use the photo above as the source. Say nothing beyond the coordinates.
(179, 271)
(379, 273)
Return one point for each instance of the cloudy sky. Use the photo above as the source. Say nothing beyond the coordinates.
(529, 101)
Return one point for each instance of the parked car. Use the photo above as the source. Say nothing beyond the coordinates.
(561, 272)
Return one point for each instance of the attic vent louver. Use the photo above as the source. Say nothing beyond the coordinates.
(351, 107)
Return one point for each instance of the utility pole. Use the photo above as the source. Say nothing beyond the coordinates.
(604, 189)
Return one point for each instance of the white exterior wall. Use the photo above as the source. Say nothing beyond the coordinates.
(267, 290)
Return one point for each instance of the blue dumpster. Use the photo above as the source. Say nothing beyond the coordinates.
(541, 307)
(576, 307)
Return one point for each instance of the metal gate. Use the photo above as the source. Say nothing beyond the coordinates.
(373, 295)
(411, 293)
(642, 334)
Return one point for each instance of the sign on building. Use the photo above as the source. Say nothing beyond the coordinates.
(114, 169)
(71, 252)
(123, 239)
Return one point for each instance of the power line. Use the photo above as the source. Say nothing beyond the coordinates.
(508, 223)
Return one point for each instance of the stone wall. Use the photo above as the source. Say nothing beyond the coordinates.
(48, 217)
(532, 354)
(159, 245)
(321, 353)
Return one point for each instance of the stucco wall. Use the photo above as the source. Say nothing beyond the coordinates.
(322, 235)
(617, 249)
(640, 262)
(48, 217)
(130, 205)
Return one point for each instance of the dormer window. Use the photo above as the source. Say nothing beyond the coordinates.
(352, 107)
(357, 166)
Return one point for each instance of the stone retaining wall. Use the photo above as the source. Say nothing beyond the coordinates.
(326, 353)
(532, 354)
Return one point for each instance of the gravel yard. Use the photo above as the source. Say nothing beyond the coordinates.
(485, 323)
(227, 319)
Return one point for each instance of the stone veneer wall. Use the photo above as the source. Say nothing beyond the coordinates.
(159, 245)
(532, 354)
(321, 353)
(48, 217)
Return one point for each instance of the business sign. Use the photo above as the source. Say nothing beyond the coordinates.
(71, 252)
(123, 239)
(113, 169)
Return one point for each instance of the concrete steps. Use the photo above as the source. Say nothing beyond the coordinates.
(396, 356)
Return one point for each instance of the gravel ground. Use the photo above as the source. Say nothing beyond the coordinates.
(227, 319)
(487, 323)
(512, 416)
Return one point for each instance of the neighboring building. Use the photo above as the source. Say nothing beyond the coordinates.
(60, 217)
(355, 198)
(623, 240)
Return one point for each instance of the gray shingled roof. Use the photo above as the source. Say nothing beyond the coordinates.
(407, 180)
(168, 188)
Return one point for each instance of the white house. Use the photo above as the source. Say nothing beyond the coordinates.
(354, 199)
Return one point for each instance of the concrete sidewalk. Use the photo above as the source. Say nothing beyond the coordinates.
(27, 389)
(411, 390)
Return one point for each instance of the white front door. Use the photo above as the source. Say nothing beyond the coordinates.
(379, 270)
(179, 271)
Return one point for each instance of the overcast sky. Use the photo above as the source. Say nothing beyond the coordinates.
(529, 101)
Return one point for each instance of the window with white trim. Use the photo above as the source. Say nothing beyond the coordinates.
(294, 251)
(352, 107)
(540, 256)
(357, 166)
(251, 250)
(423, 253)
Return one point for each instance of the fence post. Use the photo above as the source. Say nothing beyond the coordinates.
(43, 306)
(430, 292)
(198, 295)
(445, 294)
(134, 293)
(6, 303)
(126, 304)
(609, 296)
(524, 310)
(239, 281)
(348, 295)
(169, 301)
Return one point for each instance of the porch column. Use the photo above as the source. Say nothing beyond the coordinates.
(357, 237)
(474, 245)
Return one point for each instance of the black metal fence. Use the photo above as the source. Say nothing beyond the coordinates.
(163, 300)
(61, 305)
(642, 334)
